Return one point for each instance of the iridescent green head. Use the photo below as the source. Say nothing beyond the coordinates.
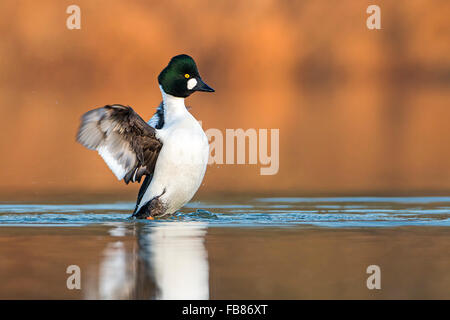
(181, 77)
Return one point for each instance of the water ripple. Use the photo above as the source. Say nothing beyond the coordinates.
(261, 212)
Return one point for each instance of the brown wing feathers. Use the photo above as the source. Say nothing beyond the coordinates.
(125, 141)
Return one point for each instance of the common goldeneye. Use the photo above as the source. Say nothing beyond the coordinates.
(171, 150)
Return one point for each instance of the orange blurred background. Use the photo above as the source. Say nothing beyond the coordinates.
(359, 111)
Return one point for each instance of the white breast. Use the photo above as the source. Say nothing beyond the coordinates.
(182, 161)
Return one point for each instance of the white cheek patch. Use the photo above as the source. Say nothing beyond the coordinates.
(191, 83)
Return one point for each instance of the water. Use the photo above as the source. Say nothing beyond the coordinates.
(261, 248)
(267, 212)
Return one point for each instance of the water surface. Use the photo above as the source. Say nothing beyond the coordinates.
(254, 248)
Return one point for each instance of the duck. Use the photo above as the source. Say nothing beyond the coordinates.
(170, 151)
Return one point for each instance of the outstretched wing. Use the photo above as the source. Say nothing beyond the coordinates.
(124, 140)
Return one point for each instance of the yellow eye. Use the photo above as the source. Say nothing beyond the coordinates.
(187, 75)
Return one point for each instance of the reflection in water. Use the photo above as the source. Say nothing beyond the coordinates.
(169, 261)
(178, 258)
(116, 277)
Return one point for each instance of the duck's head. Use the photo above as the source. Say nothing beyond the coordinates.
(181, 78)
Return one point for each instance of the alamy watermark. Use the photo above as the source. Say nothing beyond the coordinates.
(74, 19)
(374, 20)
(374, 280)
(74, 280)
(231, 148)
(235, 146)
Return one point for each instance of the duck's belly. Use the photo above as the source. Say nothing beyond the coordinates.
(180, 168)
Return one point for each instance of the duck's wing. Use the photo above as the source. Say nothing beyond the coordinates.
(124, 140)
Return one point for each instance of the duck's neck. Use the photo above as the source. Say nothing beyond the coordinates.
(173, 106)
